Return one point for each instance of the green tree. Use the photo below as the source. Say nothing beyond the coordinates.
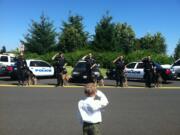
(177, 51)
(103, 38)
(155, 43)
(3, 50)
(41, 36)
(146, 42)
(124, 38)
(73, 35)
(158, 44)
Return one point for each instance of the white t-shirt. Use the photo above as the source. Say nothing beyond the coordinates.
(90, 107)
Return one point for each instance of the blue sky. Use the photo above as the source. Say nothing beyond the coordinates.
(143, 15)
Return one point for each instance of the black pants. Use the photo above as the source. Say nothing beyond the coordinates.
(89, 76)
(21, 76)
(148, 78)
(119, 78)
(60, 79)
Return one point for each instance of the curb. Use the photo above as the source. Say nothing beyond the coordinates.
(75, 86)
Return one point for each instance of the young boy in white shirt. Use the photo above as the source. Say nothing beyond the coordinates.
(90, 109)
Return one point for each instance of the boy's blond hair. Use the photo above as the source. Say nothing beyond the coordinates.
(90, 89)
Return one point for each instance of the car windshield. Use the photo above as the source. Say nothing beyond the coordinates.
(158, 65)
(80, 66)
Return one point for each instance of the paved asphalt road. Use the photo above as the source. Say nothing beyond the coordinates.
(52, 82)
(52, 111)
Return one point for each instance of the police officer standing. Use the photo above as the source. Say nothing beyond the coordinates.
(119, 66)
(60, 67)
(21, 69)
(90, 64)
(148, 65)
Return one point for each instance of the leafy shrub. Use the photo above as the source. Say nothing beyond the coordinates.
(103, 58)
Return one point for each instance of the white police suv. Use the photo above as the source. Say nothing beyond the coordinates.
(135, 70)
(176, 68)
(40, 68)
(7, 59)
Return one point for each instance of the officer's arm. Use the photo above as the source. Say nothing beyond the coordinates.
(83, 58)
(115, 60)
(93, 66)
(55, 56)
(101, 102)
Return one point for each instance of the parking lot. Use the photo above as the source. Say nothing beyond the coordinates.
(44, 111)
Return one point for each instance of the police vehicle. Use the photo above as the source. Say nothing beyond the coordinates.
(79, 73)
(7, 59)
(134, 70)
(3, 70)
(39, 68)
(175, 68)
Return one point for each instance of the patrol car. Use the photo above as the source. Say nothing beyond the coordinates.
(7, 59)
(175, 68)
(3, 70)
(39, 68)
(134, 70)
(79, 73)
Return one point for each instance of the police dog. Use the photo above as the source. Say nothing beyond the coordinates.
(125, 82)
(31, 78)
(99, 81)
(66, 79)
(157, 79)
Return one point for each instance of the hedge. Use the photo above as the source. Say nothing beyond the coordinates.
(103, 58)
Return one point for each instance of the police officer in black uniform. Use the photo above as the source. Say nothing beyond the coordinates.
(21, 69)
(148, 71)
(119, 66)
(60, 67)
(90, 63)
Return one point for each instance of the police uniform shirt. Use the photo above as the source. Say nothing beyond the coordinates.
(90, 62)
(21, 64)
(90, 108)
(60, 63)
(148, 65)
(120, 65)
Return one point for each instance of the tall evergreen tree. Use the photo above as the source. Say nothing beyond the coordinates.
(3, 50)
(41, 36)
(177, 51)
(72, 34)
(103, 38)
